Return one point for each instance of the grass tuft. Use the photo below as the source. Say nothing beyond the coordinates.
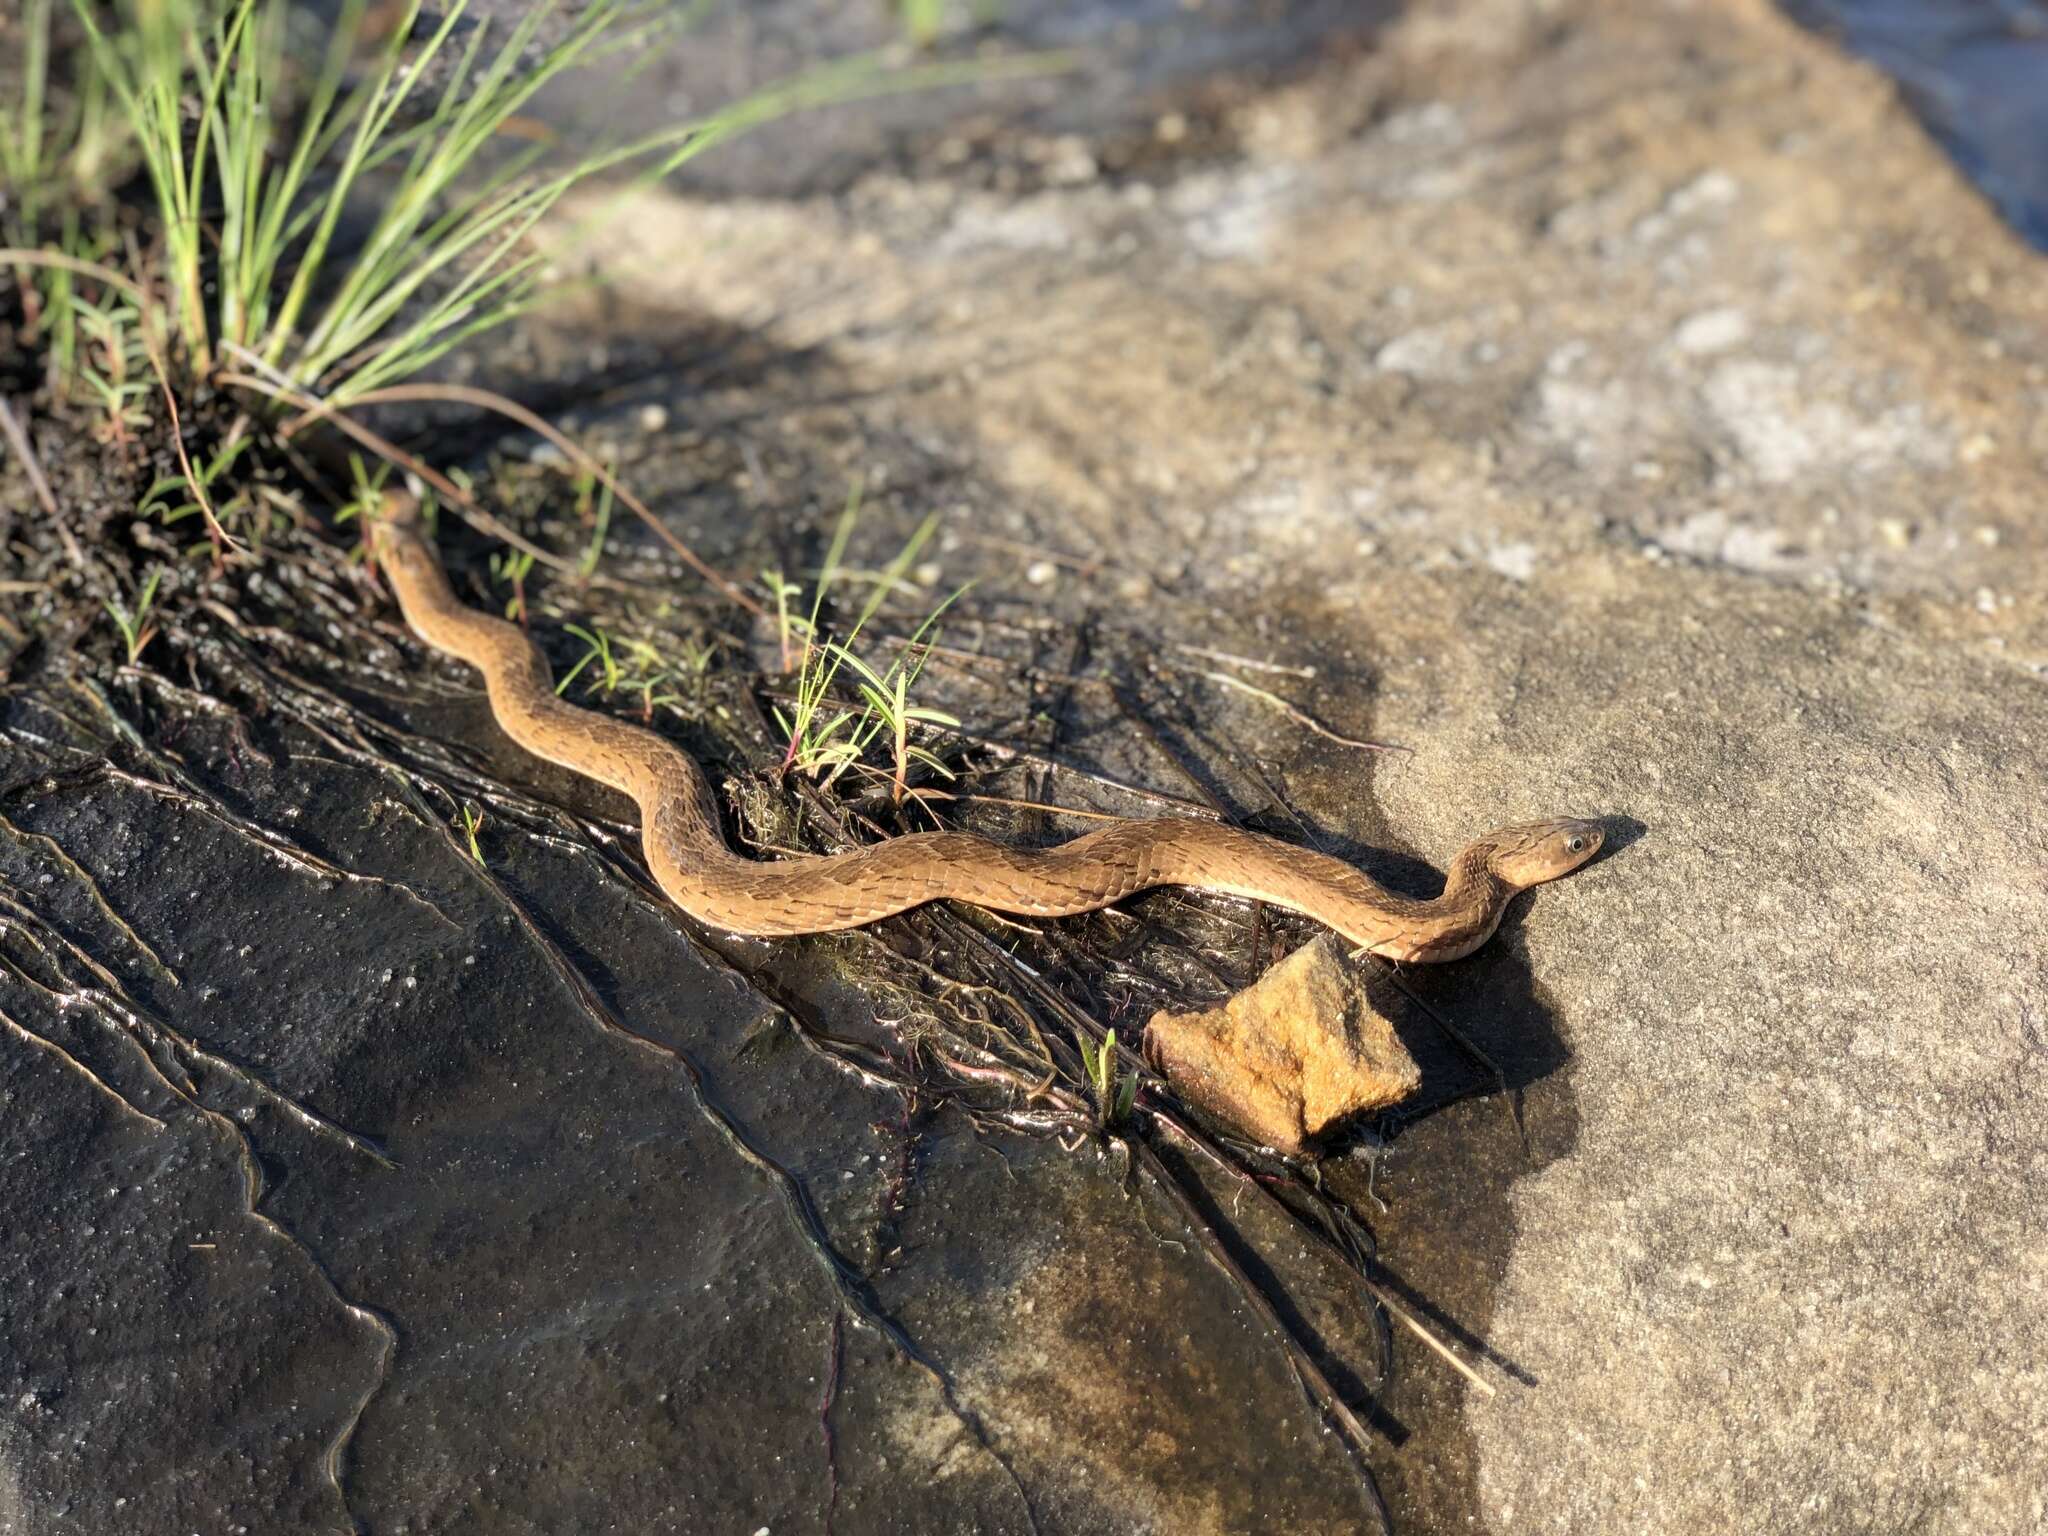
(58, 148)
(597, 648)
(256, 149)
(252, 216)
(635, 668)
(823, 737)
(512, 567)
(134, 623)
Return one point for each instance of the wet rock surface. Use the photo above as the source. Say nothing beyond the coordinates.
(477, 1197)
(1623, 406)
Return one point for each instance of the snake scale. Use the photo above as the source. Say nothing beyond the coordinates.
(688, 854)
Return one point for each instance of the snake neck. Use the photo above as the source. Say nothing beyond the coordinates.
(1451, 926)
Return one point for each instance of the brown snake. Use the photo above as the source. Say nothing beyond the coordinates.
(813, 894)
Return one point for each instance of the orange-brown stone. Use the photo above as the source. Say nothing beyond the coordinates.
(1294, 1053)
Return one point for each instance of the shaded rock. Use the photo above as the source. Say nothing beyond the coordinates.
(1289, 1056)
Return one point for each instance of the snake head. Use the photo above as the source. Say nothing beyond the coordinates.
(1542, 850)
(394, 510)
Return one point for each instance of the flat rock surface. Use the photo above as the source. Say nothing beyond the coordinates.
(1620, 404)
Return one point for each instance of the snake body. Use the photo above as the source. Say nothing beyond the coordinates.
(688, 855)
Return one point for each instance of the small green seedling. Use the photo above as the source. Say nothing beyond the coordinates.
(471, 821)
(136, 629)
(1113, 1099)
(366, 490)
(697, 656)
(921, 20)
(632, 666)
(648, 673)
(598, 648)
(787, 624)
(888, 713)
(814, 744)
(164, 501)
(110, 367)
(513, 566)
(598, 517)
(825, 743)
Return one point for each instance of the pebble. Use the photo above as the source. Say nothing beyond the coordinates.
(1711, 330)
(1071, 163)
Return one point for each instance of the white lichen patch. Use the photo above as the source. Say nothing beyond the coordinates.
(1711, 330)
(1033, 224)
(1515, 560)
(1236, 217)
(1782, 426)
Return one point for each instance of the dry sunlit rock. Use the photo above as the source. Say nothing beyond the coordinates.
(1292, 1054)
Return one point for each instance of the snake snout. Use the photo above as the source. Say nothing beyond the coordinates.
(397, 508)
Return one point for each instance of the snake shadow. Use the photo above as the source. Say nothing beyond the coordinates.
(1479, 1025)
(1483, 1025)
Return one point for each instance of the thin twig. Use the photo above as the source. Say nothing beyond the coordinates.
(1024, 805)
(465, 504)
(1083, 1024)
(462, 394)
(1379, 1292)
(1052, 556)
(221, 541)
(1299, 715)
(15, 256)
(1013, 751)
(1248, 663)
(32, 467)
(1320, 1389)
